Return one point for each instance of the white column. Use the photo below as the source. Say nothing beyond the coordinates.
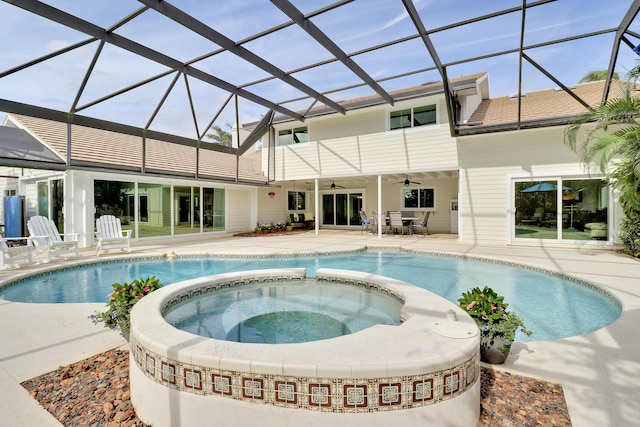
(380, 217)
(317, 208)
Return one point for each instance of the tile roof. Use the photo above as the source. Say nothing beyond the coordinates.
(543, 104)
(111, 150)
(430, 88)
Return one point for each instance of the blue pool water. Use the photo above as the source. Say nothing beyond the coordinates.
(284, 312)
(552, 307)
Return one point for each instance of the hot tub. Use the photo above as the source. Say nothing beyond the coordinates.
(424, 370)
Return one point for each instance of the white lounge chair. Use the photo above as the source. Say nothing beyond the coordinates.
(46, 237)
(11, 255)
(110, 234)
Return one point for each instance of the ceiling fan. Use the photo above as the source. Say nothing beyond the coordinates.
(333, 186)
(407, 182)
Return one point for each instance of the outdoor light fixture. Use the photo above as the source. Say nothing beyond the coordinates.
(407, 182)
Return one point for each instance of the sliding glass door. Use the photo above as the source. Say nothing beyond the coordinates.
(561, 209)
(341, 209)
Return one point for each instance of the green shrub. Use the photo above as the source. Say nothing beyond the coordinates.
(121, 301)
(630, 233)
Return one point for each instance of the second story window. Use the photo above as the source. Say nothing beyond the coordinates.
(293, 136)
(412, 117)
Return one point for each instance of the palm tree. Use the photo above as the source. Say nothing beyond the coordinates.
(220, 136)
(612, 145)
(594, 76)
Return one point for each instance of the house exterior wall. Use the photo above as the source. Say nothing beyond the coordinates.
(488, 163)
(367, 147)
(238, 209)
(275, 209)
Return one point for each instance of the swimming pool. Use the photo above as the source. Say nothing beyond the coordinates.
(552, 306)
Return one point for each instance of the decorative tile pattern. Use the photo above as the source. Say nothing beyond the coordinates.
(423, 390)
(221, 384)
(389, 394)
(452, 382)
(470, 373)
(334, 395)
(168, 372)
(192, 379)
(150, 364)
(355, 396)
(253, 388)
(286, 392)
(320, 395)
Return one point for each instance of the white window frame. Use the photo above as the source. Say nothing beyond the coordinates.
(412, 108)
(304, 198)
(419, 208)
(292, 130)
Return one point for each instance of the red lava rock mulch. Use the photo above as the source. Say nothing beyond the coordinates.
(514, 400)
(95, 393)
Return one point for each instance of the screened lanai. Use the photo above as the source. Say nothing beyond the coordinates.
(187, 72)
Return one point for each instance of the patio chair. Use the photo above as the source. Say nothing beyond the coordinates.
(422, 225)
(46, 237)
(395, 223)
(365, 221)
(374, 222)
(11, 255)
(110, 234)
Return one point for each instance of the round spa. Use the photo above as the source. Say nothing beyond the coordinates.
(344, 348)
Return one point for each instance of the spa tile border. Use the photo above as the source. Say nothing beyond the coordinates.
(177, 299)
(326, 394)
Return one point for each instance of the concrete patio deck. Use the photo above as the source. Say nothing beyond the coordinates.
(599, 372)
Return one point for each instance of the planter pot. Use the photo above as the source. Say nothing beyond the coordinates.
(490, 352)
(289, 228)
(265, 231)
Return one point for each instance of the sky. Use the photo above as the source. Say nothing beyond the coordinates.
(358, 25)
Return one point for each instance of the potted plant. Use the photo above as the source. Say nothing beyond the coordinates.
(498, 326)
(271, 194)
(288, 226)
(121, 301)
